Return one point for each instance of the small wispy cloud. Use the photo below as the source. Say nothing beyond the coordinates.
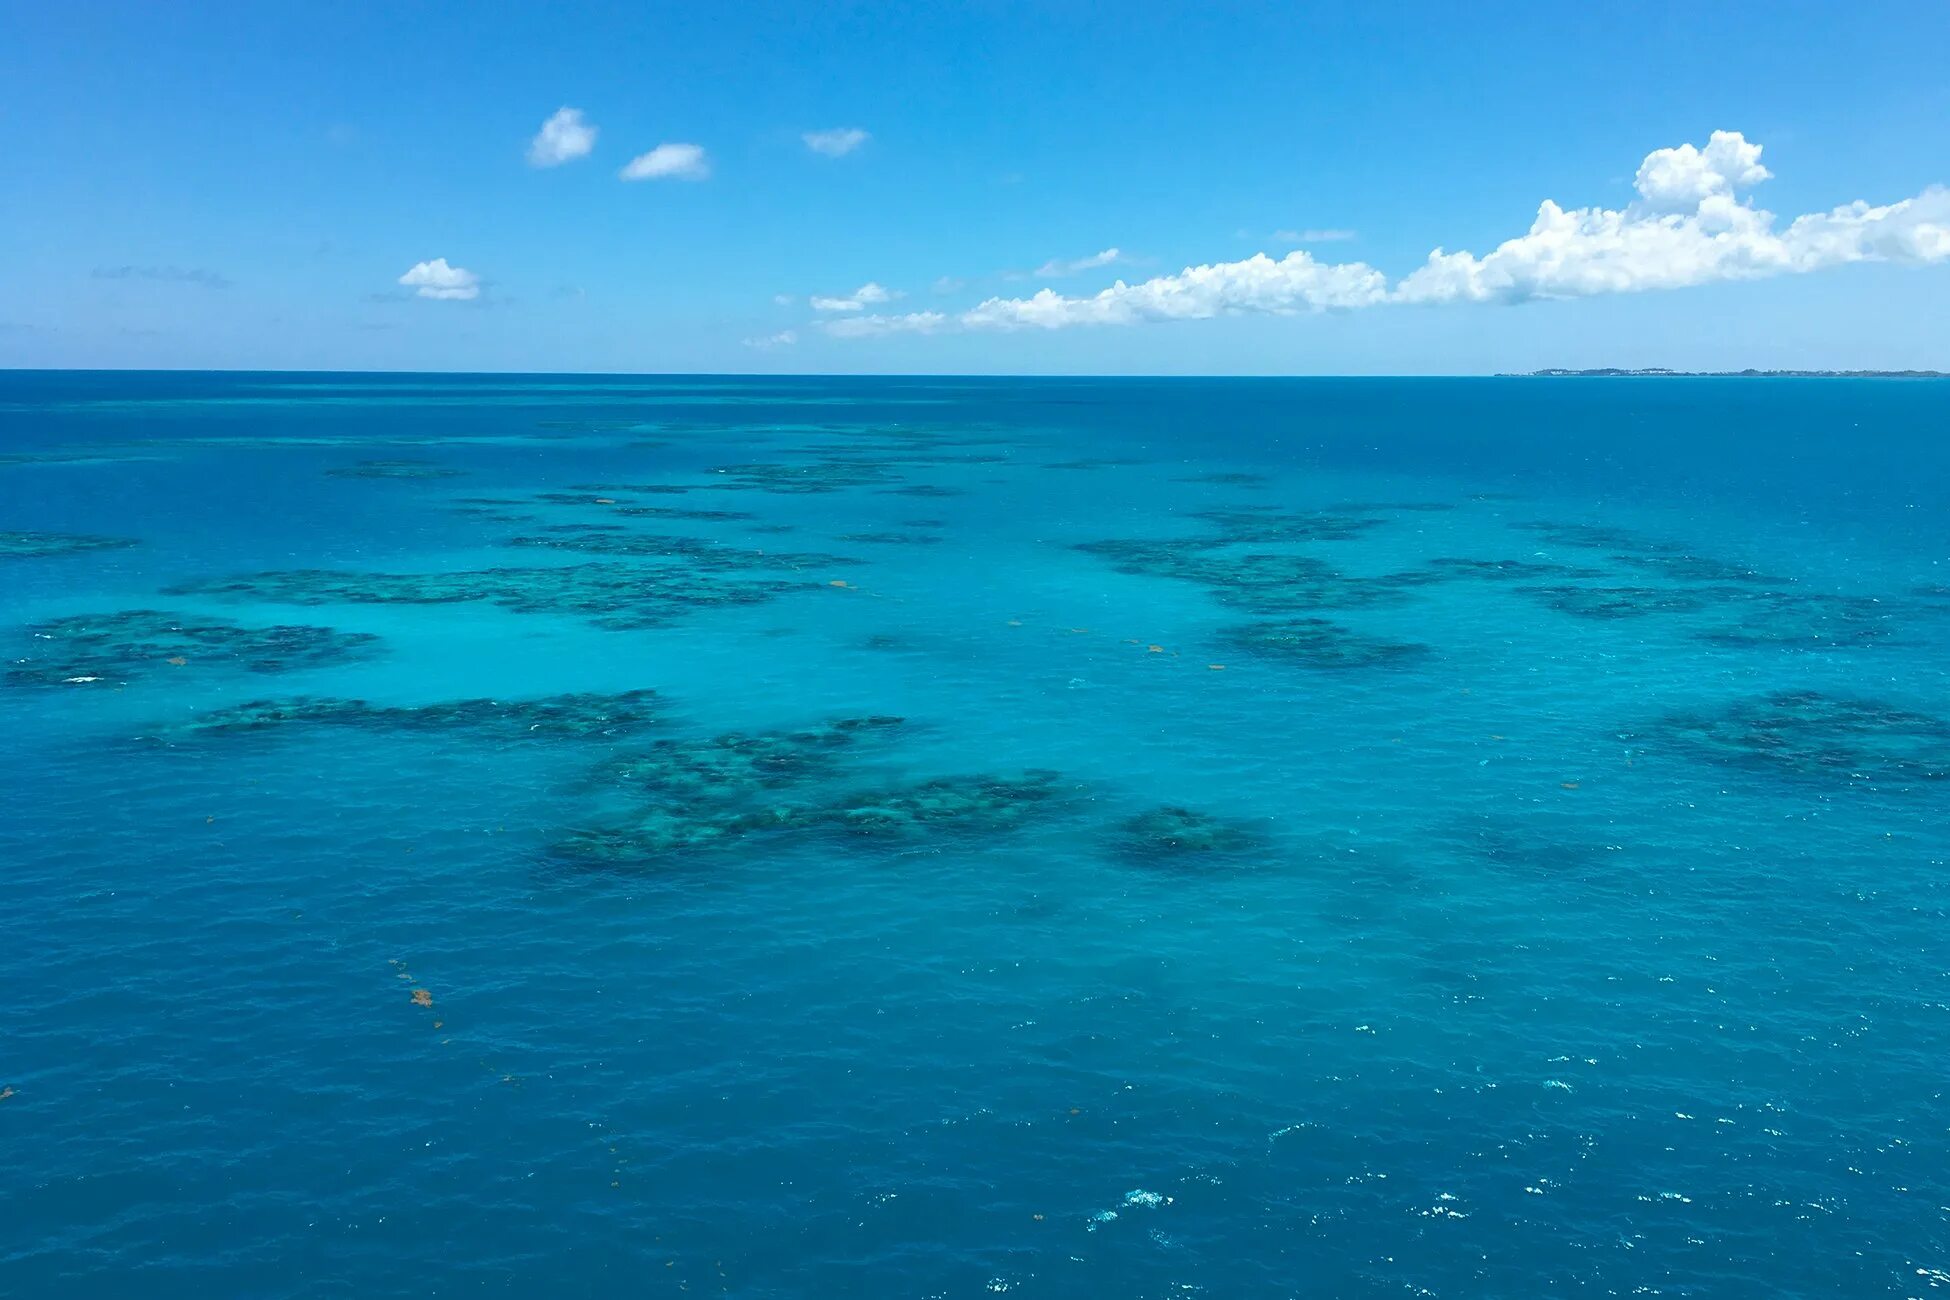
(1312, 236)
(783, 339)
(668, 162)
(836, 143)
(1060, 267)
(438, 280)
(565, 137)
(949, 284)
(860, 299)
(783, 300)
(914, 322)
(164, 274)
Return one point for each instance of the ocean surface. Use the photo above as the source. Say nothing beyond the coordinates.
(567, 836)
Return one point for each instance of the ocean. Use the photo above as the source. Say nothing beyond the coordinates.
(521, 835)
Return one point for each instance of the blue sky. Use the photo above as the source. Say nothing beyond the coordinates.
(247, 185)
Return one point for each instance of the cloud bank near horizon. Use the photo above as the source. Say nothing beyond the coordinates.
(1691, 223)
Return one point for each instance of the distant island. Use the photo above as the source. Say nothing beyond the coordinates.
(1660, 372)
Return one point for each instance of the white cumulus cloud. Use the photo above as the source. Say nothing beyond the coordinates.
(783, 339)
(1691, 223)
(865, 296)
(436, 279)
(836, 143)
(1058, 267)
(1259, 284)
(679, 162)
(565, 137)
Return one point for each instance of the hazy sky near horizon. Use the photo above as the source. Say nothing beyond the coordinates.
(977, 187)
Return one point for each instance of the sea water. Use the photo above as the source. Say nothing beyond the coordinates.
(526, 835)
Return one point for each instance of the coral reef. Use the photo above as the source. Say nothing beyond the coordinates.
(15, 545)
(1173, 836)
(396, 469)
(578, 715)
(1811, 734)
(686, 795)
(665, 578)
(115, 648)
(1320, 643)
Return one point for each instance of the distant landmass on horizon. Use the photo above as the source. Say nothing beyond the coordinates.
(1660, 372)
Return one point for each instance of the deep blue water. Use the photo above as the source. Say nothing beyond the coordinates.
(1341, 838)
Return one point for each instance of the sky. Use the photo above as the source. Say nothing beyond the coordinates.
(1055, 188)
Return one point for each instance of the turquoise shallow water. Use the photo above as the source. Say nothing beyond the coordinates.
(1341, 838)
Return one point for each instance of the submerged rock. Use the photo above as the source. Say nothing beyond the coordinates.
(115, 648)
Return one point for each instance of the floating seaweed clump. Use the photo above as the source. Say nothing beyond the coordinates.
(578, 715)
(1173, 836)
(116, 648)
(691, 795)
(400, 469)
(613, 596)
(1808, 733)
(34, 546)
(1321, 643)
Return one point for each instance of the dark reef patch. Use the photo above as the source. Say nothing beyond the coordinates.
(19, 545)
(1321, 643)
(1172, 836)
(1614, 603)
(1240, 527)
(579, 715)
(1094, 463)
(1510, 570)
(890, 537)
(609, 595)
(1812, 734)
(1224, 478)
(802, 478)
(700, 558)
(689, 795)
(396, 469)
(115, 648)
